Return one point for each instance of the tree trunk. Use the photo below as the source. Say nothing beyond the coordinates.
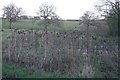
(10, 23)
(45, 39)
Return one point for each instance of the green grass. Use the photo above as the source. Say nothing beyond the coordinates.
(28, 24)
(12, 71)
(70, 25)
(20, 24)
(21, 72)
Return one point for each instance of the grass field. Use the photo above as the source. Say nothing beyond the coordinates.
(28, 24)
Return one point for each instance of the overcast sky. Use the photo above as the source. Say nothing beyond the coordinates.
(66, 9)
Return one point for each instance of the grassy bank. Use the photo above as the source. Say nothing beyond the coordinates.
(10, 70)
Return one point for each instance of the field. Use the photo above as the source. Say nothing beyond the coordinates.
(69, 52)
(29, 24)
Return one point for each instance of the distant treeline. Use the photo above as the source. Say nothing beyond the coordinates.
(38, 18)
(26, 17)
(73, 20)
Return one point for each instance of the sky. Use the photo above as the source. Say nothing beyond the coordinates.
(66, 9)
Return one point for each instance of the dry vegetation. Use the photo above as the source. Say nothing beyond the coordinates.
(66, 52)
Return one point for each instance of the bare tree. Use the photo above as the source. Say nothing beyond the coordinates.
(110, 9)
(47, 13)
(105, 6)
(12, 12)
(88, 19)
